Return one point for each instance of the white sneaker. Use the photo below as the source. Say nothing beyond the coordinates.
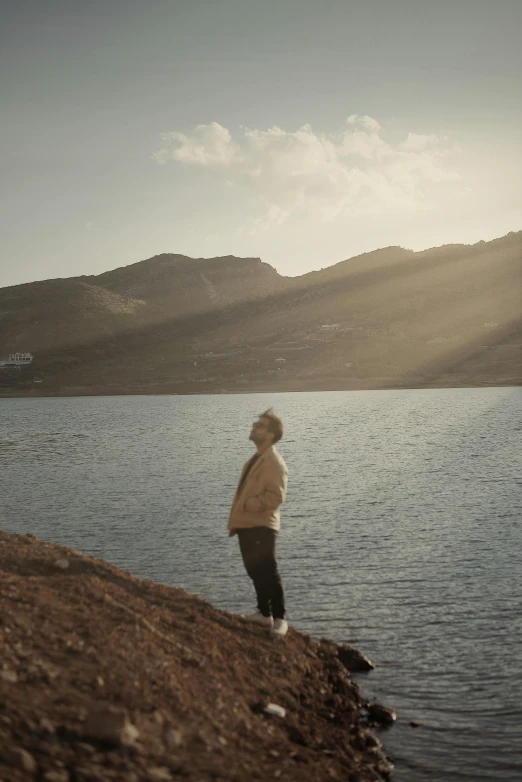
(279, 628)
(259, 619)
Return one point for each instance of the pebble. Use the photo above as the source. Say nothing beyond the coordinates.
(21, 759)
(9, 676)
(109, 724)
(274, 710)
(57, 775)
(159, 774)
(173, 738)
(373, 741)
(130, 734)
(61, 564)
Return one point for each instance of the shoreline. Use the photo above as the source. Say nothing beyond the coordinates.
(189, 389)
(109, 677)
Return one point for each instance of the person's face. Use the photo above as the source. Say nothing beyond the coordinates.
(259, 433)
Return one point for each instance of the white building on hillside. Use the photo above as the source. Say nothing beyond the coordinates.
(17, 360)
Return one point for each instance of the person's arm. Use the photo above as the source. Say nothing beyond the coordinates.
(274, 490)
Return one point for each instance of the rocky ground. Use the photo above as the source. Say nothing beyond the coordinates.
(107, 677)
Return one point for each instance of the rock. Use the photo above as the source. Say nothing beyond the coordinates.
(158, 717)
(370, 741)
(9, 676)
(21, 759)
(274, 710)
(21, 651)
(384, 768)
(381, 715)
(110, 725)
(53, 749)
(159, 774)
(39, 669)
(47, 725)
(61, 564)
(353, 660)
(56, 775)
(130, 734)
(173, 738)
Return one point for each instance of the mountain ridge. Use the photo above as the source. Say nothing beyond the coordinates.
(383, 317)
(437, 248)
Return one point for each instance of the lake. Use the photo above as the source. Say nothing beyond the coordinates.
(401, 535)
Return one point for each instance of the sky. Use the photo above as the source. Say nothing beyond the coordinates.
(300, 132)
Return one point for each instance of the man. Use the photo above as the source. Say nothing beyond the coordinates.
(255, 519)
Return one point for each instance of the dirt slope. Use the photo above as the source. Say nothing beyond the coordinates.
(107, 677)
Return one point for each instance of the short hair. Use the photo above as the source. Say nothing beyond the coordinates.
(275, 425)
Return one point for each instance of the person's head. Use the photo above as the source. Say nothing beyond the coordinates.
(267, 430)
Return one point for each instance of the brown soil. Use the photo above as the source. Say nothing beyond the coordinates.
(181, 686)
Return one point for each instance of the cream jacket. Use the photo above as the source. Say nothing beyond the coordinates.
(257, 503)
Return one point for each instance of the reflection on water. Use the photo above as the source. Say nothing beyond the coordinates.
(401, 535)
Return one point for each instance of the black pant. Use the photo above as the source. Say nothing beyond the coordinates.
(258, 549)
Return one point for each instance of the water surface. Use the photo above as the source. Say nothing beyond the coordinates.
(401, 535)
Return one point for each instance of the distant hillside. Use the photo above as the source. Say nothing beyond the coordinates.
(193, 284)
(451, 315)
(80, 310)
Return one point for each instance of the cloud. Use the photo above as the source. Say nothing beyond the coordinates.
(416, 142)
(367, 122)
(356, 172)
(209, 145)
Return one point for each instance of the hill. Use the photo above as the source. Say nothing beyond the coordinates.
(450, 315)
(106, 677)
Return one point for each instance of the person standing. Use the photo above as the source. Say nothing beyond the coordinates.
(255, 519)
